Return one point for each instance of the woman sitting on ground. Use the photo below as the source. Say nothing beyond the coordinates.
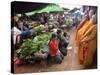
(63, 41)
(54, 52)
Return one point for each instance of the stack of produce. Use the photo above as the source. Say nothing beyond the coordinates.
(38, 29)
(69, 22)
(26, 49)
(42, 41)
(38, 44)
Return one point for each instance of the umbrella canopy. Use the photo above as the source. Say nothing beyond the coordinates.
(49, 8)
(20, 7)
(31, 13)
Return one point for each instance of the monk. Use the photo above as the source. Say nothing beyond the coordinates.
(84, 25)
(88, 43)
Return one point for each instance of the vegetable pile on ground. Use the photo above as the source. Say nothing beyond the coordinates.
(68, 23)
(30, 46)
(38, 29)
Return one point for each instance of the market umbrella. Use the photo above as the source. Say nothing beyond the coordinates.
(49, 8)
(31, 13)
(20, 7)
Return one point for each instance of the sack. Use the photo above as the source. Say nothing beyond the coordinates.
(41, 55)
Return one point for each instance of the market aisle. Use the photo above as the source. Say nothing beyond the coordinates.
(70, 61)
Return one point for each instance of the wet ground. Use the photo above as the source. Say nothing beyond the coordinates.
(70, 61)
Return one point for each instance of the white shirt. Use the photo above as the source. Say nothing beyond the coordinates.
(15, 32)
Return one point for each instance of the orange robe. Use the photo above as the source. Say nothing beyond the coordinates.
(80, 35)
(81, 31)
(87, 51)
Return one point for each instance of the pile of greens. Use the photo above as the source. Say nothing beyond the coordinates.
(42, 41)
(69, 22)
(38, 29)
(38, 44)
(26, 49)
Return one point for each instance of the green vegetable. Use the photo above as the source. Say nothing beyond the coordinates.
(69, 22)
(42, 41)
(38, 29)
(27, 48)
(38, 44)
(44, 48)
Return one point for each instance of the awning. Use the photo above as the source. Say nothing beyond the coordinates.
(20, 7)
(49, 8)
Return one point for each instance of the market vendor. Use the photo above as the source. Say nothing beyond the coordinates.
(59, 34)
(26, 32)
(54, 52)
(16, 31)
(64, 43)
(19, 31)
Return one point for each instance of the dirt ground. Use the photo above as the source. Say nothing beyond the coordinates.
(70, 61)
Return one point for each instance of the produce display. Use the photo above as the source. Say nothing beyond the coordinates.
(42, 41)
(69, 22)
(38, 29)
(31, 46)
(26, 49)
